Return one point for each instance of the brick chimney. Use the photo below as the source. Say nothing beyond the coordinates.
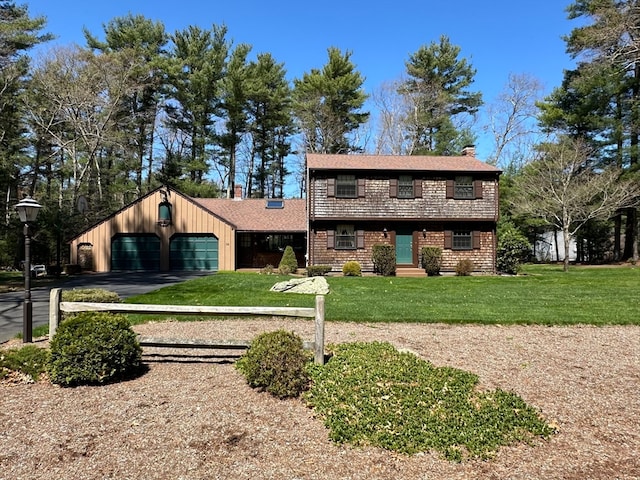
(237, 191)
(469, 151)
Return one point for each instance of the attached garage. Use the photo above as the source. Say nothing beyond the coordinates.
(135, 252)
(193, 252)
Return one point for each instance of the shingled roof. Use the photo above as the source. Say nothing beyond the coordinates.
(424, 163)
(252, 214)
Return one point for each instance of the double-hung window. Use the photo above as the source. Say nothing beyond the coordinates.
(463, 187)
(462, 240)
(405, 186)
(345, 237)
(346, 186)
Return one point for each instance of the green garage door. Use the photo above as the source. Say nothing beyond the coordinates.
(194, 252)
(135, 252)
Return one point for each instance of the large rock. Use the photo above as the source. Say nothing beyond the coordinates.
(311, 285)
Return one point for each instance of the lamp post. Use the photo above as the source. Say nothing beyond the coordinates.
(28, 211)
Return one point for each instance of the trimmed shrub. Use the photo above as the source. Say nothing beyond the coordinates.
(352, 269)
(432, 260)
(28, 360)
(276, 362)
(289, 262)
(99, 295)
(513, 249)
(318, 270)
(384, 259)
(94, 348)
(464, 267)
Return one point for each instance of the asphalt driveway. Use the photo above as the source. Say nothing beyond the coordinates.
(125, 284)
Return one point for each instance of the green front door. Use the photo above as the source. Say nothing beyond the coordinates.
(404, 248)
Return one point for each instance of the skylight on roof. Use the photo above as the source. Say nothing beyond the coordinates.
(275, 203)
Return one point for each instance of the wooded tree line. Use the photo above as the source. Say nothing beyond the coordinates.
(137, 106)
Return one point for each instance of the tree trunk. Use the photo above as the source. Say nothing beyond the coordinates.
(567, 244)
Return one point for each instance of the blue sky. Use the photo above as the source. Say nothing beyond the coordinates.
(498, 37)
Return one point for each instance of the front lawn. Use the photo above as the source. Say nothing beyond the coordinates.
(543, 295)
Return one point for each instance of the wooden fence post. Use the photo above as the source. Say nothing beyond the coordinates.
(54, 310)
(319, 335)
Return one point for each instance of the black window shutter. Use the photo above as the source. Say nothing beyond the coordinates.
(331, 239)
(477, 188)
(331, 187)
(393, 187)
(361, 187)
(417, 188)
(359, 238)
(448, 239)
(450, 188)
(476, 239)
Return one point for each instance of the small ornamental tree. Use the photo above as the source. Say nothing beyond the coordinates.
(289, 262)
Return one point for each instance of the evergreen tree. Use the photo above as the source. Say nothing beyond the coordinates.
(438, 89)
(145, 41)
(18, 34)
(234, 106)
(270, 126)
(196, 69)
(600, 100)
(328, 103)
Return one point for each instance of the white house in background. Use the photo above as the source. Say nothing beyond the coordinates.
(550, 248)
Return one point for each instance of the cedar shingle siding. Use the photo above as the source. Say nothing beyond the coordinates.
(379, 214)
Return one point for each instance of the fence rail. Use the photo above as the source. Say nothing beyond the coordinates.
(57, 307)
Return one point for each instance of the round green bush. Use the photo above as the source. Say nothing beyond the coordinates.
(276, 362)
(94, 348)
(351, 269)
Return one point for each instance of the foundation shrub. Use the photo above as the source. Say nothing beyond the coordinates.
(352, 269)
(464, 267)
(94, 348)
(431, 260)
(276, 363)
(318, 270)
(384, 259)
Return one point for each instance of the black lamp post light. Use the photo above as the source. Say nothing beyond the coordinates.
(28, 211)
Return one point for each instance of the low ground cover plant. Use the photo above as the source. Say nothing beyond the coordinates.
(372, 394)
(29, 360)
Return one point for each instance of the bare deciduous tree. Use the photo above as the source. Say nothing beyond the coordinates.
(564, 189)
(512, 121)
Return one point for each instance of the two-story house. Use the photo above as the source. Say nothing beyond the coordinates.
(357, 201)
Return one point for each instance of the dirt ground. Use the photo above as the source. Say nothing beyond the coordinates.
(192, 416)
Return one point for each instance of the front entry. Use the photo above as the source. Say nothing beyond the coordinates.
(404, 247)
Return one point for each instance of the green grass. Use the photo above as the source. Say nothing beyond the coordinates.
(543, 295)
